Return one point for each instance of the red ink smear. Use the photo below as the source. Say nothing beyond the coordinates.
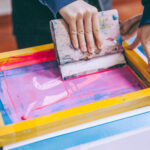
(9, 95)
(68, 94)
(34, 58)
(25, 117)
(110, 39)
(86, 75)
(88, 81)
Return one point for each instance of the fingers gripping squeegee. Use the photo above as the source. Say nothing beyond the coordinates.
(72, 62)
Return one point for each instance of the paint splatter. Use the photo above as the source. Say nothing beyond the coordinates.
(114, 17)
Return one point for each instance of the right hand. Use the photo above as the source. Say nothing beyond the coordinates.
(83, 22)
(131, 27)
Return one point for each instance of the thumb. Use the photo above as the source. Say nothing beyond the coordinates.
(136, 41)
(129, 27)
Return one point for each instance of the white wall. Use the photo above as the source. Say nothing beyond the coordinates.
(5, 7)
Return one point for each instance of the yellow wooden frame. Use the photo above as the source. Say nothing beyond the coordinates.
(138, 62)
(75, 116)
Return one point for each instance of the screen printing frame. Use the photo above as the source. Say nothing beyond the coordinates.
(68, 118)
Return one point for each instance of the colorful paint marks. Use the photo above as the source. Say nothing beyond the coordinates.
(38, 90)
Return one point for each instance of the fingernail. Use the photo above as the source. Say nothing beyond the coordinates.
(83, 49)
(99, 46)
(92, 50)
(76, 46)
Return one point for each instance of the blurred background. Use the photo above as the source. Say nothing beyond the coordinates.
(126, 8)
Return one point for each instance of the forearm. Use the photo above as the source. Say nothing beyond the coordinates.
(55, 5)
(146, 13)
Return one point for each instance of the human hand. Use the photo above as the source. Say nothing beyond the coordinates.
(143, 36)
(83, 22)
(129, 27)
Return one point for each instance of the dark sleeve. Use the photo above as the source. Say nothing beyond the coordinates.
(146, 13)
(55, 5)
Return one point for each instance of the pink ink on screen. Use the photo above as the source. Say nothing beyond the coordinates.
(38, 90)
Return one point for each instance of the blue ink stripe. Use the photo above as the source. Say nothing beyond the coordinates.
(90, 134)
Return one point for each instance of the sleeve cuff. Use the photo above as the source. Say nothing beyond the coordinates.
(146, 15)
(56, 5)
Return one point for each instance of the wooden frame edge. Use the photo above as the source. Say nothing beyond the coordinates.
(75, 116)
